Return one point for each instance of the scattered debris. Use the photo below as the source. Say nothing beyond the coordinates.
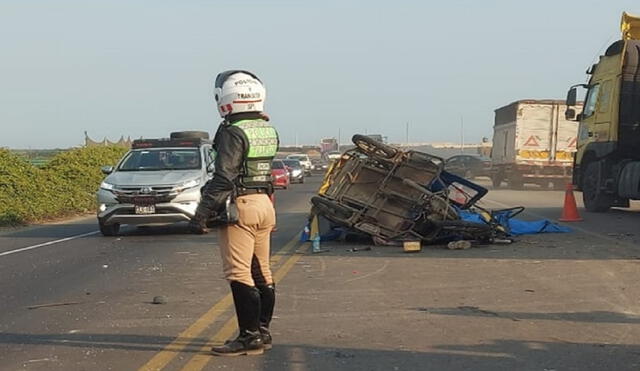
(160, 299)
(53, 304)
(356, 249)
(412, 246)
(459, 245)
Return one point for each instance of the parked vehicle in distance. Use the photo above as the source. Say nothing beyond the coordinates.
(279, 174)
(304, 161)
(296, 172)
(533, 143)
(333, 155)
(157, 182)
(319, 165)
(468, 166)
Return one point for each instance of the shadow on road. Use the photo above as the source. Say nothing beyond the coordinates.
(503, 354)
(499, 355)
(103, 341)
(587, 317)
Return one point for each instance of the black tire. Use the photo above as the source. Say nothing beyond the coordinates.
(332, 210)
(189, 135)
(468, 230)
(302, 181)
(109, 230)
(373, 148)
(594, 200)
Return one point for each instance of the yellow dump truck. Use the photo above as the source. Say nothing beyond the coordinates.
(607, 163)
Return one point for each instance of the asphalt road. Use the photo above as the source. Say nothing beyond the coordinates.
(547, 302)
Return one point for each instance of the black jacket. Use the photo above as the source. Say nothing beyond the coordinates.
(231, 147)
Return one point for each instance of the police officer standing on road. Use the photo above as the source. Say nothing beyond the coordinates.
(245, 146)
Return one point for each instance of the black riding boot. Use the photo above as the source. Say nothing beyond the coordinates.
(249, 340)
(267, 302)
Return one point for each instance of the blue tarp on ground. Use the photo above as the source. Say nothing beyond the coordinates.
(515, 226)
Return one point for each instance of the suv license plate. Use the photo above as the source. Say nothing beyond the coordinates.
(145, 209)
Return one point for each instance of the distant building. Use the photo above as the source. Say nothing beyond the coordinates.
(88, 142)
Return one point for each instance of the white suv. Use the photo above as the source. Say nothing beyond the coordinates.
(157, 181)
(304, 161)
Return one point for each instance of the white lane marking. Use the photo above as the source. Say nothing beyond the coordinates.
(48, 243)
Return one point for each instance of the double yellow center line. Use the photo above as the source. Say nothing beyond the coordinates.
(169, 352)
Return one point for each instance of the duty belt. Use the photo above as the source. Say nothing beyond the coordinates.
(252, 191)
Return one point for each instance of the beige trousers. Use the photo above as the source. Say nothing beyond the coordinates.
(245, 246)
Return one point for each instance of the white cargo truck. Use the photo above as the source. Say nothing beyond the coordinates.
(533, 143)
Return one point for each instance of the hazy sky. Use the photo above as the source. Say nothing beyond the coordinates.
(145, 68)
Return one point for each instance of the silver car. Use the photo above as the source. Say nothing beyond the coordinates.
(157, 182)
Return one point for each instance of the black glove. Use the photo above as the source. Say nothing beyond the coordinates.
(198, 224)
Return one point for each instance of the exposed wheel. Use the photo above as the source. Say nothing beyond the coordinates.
(189, 135)
(440, 207)
(594, 200)
(302, 181)
(461, 225)
(468, 175)
(373, 147)
(466, 230)
(332, 210)
(109, 230)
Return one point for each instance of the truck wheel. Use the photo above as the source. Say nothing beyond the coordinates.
(594, 200)
(109, 230)
(516, 183)
(496, 180)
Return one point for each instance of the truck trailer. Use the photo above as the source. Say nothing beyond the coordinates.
(533, 143)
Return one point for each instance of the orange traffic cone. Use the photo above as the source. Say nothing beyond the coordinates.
(570, 209)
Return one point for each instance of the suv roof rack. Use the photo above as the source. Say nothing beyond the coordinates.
(166, 142)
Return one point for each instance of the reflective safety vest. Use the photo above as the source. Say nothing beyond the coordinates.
(263, 145)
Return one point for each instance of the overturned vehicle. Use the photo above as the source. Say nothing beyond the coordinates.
(396, 196)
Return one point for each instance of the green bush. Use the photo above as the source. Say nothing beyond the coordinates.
(66, 185)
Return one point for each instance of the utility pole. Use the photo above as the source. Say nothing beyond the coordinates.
(406, 134)
(339, 133)
(461, 134)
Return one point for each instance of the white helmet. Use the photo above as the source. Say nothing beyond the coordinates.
(239, 91)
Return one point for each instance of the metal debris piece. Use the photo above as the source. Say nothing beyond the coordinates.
(160, 299)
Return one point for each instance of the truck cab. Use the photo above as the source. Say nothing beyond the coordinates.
(607, 162)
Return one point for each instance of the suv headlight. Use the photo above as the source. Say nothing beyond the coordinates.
(188, 184)
(106, 186)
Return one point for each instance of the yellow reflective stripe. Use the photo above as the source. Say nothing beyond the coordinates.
(263, 138)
